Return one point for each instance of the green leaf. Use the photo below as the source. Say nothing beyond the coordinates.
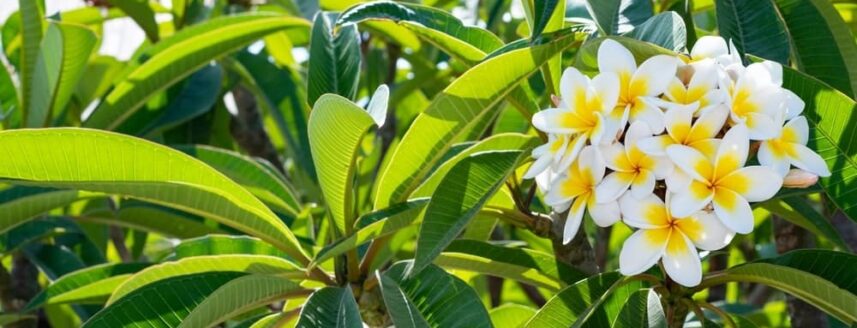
(261, 264)
(666, 30)
(831, 119)
(642, 310)
(755, 27)
(799, 211)
(459, 196)
(336, 128)
(225, 245)
(618, 16)
(331, 307)
(238, 296)
(457, 109)
(32, 18)
(587, 56)
(432, 298)
(249, 173)
(822, 263)
(35, 230)
(334, 60)
(503, 141)
(810, 288)
(525, 265)
(594, 302)
(154, 218)
(112, 163)
(823, 45)
(511, 315)
(176, 297)
(141, 12)
(180, 55)
(89, 285)
(542, 13)
(373, 225)
(21, 203)
(9, 318)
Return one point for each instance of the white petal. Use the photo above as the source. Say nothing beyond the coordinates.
(799, 129)
(544, 180)
(690, 161)
(572, 222)
(678, 121)
(709, 47)
(606, 87)
(794, 105)
(705, 231)
(655, 74)
(650, 114)
(808, 160)
(590, 160)
(550, 120)
(656, 146)
(635, 133)
(753, 183)
(571, 153)
(571, 85)
(644, 213)
(613, 57)
(762, 127)
(540, 165)
(734, 211)
(677, 180)
(768, 157)
(644, 184)
(690, 200)
(605, 215)
(709, 123)
(377, 107)
(613, 186)
(732, 153)
(614, 157)
(662, 167)
(641, 251)
(681, 260)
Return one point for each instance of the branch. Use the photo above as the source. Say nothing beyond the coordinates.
(248, 130)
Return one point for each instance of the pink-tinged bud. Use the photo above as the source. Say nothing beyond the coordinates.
(797, 178)
(556, 101)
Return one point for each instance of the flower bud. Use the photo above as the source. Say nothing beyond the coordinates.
(797, 178)
(555, 100)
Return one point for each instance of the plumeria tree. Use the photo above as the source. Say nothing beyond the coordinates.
(609, 163)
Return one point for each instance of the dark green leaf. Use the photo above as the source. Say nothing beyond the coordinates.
(89, 285)
(619, 16)
(594, 302)
(666, 30)
(755, 28)
(141, 12)
(331, 307)
(334, 60)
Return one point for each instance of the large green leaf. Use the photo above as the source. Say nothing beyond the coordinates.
(249, 173)
(755, 27)
(799, 281)
(432, 298)
(511, 315)
(21, 203)
(154, 218)
(112, 163)
(503, 141)
(90, 285)
(587, 56)
(260, 264)
(823, 263)
(822, 44)
(665, 29)
(180, 55)
(336, 127)
(455, 110)
(533, 267)
(142, 13)
(334, 60)
(238, 296)
(542, 12)
(458, 197)
(32, 20)
(799, 210)
(221, 245)
(618, 16)
(163, 304)
(832, 121)
(331, 307)
(594, 302)
(643, 309)
(373, 225)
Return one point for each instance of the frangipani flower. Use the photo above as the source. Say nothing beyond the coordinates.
(638, 85)
(756, 101)
(662, 234)
(631, 167)
(723, 182)
(576, 188)
(714, 47)
(682, 130)
(701, 86)
(557, 152)
(789, 148)
(584, 106)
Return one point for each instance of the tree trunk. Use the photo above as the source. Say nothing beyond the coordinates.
(790, 237)
(578, 253)
(248, 129)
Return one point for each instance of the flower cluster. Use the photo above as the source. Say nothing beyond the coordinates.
(664, 147)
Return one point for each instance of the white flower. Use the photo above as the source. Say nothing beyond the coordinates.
(631, 167)
(724, 182)
(682, 130)
(556, 154)
(576, 189)
(584, 105)
(714, 47)
(638, 85)
(755, 100)
(661, 234)
(789, 148)
(700, 87)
